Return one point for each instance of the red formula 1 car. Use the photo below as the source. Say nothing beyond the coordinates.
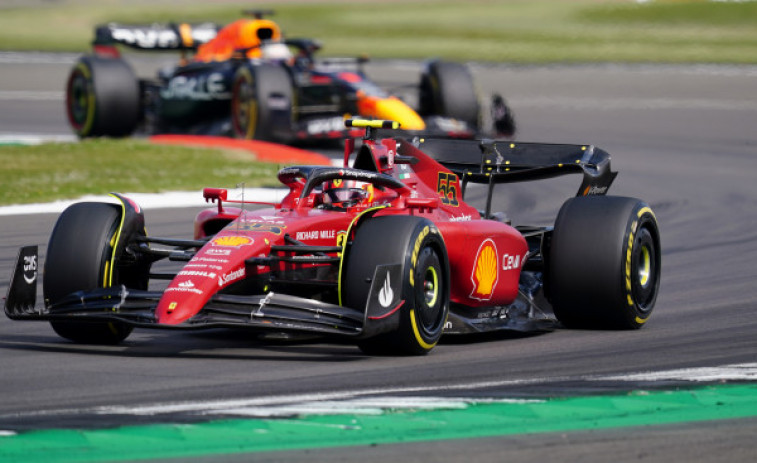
(385, 251)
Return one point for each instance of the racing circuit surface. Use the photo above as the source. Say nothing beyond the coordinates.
(682, 138)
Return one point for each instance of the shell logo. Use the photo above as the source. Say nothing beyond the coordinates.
(234, 241)
(485, 271)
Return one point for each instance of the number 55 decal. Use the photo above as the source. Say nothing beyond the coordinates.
(446, 186)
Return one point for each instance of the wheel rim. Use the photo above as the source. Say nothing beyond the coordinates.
(430, 306)
(244, 108)
(645, 270)
(645, 264)
(431, 286)
(79, 102)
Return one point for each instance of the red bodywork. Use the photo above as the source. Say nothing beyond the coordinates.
(485, 256)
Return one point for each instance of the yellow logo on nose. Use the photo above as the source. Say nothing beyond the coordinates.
(232, 241)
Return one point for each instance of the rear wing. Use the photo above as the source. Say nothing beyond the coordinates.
(157, 37)
(499, 161)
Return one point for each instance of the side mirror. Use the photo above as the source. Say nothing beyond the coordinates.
(213, 194)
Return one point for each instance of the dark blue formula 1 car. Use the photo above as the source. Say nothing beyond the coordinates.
(246, 80)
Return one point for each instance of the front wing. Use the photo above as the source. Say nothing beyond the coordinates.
(269, 311)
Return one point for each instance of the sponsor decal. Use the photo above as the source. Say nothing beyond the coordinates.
(485, 271)
(278, 102)
(341, 238)
(386, 295)
(218, 252)
(231, 276)
(198, 265)
(211, 259)
(30, 269)
(333, 124)
(262, 227)
(232, 241)
(197, 273)
(172, 306)
(272, 219)
(510, 262)
(462, 218)
(315, 234)
(145, 38)
(416, 249)
(184, 287)
(595, 190)
(383, 299)
(201, 87)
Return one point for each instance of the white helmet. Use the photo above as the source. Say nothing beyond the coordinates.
(275, 51)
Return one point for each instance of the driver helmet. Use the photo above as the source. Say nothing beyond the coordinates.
(275, 51)
(343, 194)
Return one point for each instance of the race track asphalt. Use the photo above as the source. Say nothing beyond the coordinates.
(682, 138)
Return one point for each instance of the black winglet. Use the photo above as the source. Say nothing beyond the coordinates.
(22, 292)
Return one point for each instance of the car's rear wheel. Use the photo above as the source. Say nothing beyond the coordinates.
(604, 263)
(423, 305)
(261, 103)
(80, 257)
(447, 89)
(102, 97)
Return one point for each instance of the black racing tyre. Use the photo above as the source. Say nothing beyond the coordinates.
(417, 245)
(447, 89)
(102, 97)
(603, 263)
(78, 258)
(261, 103)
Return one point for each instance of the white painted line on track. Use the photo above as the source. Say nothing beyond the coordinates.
(379, 400)
(34, 139)
(741, 372)
(31, 95)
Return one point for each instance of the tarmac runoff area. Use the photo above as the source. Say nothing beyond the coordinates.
(263, 151)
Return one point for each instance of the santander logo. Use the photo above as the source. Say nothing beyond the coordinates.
(231, 276)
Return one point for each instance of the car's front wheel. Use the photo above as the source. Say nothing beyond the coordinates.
(416, 248)
(80, 257)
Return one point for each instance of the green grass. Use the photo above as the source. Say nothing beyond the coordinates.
(53, 171)
(517, 31)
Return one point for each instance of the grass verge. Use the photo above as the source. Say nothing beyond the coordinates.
(52, 171)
